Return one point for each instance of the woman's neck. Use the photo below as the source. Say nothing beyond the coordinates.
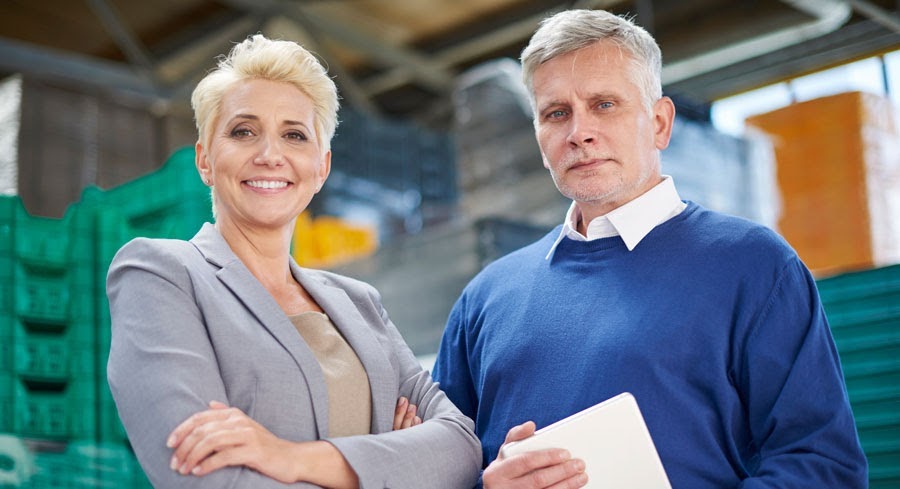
(264, 251)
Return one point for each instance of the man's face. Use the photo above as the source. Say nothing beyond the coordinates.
(597, 136)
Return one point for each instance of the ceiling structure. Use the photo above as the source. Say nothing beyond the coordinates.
(401, 57)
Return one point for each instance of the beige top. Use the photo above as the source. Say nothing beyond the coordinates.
(349, 397)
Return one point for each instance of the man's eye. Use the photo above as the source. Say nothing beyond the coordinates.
(556, 114)
(605, 105)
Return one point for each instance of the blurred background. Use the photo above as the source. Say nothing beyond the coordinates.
(787, 115)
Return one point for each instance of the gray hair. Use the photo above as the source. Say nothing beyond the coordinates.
(571, 30)
(282, 61)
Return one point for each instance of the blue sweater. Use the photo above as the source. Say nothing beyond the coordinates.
(712, 322)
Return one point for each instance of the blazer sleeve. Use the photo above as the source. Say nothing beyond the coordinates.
(162, 367)
(442, 452)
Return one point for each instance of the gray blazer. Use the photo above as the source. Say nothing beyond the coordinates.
(191, 324)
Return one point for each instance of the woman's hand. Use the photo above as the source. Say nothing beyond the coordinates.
(405, 415)
(224, 436)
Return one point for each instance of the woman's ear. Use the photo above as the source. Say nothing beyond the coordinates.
(202, 162)
(324, 170)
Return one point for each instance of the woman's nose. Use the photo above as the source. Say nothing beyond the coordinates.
(270, 153)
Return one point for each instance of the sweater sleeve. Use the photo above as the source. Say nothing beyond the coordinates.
(443, 451)
(451, 367)
(802, 427)
(162, 367)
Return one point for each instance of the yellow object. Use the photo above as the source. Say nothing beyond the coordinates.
(327, 241)
(838, 166)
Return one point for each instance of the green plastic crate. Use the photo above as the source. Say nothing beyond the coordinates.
(54, 315)
(79, 464)
(38, 241)
(42, 299)
(65, 411)
(863, 309)
(6, 346)
(851, 287)
(7, 402)
(171, 202)
(53, 358)
(872, 334)
(42, 261)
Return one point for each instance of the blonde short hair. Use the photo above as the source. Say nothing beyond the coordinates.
(260, 58)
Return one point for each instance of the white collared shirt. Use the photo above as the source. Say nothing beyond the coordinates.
(632, 221)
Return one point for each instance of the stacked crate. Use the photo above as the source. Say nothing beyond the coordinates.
(864, 312)
(47, 323)
(55, 326)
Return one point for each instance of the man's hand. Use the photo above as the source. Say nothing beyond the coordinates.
(551, 469)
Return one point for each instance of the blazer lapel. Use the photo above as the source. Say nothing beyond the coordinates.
(346, 317)
(234, 275)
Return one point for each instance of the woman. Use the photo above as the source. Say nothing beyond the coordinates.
(233, 367)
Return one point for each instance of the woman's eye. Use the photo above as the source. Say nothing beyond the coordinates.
(241, 132)
(296, 135)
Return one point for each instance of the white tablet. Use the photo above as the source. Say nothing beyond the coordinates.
(611, 438)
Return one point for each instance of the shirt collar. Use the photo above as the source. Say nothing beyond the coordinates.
(632, 221)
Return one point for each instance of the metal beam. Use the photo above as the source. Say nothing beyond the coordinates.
(475, 47)
(877, 14)
(829, 16)
(20, 57)
(377, 50)
(127, 41)
(851, 42)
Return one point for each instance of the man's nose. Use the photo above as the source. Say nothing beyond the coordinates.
(583, 129)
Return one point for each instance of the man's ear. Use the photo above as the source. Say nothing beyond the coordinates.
(663, 119)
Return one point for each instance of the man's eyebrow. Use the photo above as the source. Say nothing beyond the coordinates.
(552, 103)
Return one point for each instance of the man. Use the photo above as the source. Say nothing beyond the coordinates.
(712, 322)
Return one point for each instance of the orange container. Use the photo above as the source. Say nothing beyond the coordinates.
(838, 168)
(327, 241)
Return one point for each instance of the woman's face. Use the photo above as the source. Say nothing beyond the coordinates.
(264, 157)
